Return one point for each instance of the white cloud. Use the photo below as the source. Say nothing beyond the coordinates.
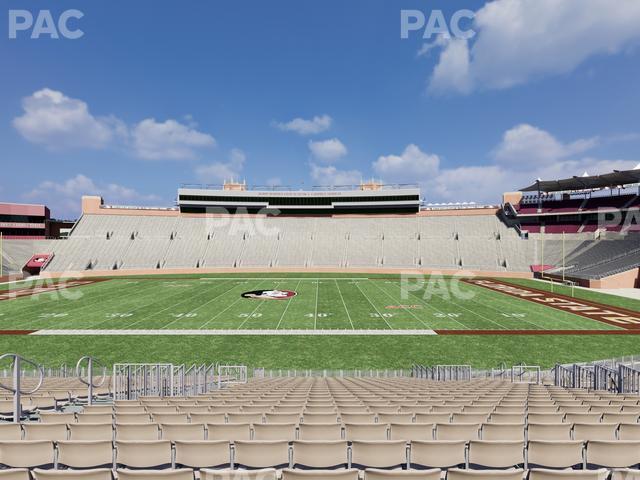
(64, 197)
(170, 140)
(327, 150)
(331, 176)
(524, 154)
(223, 171)
(521, 40)
(525, 144)
(303, 126)
(59, 122)
(411, 163)
(56, 121)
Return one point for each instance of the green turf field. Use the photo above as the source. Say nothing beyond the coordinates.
(326, 302)
(323, 303)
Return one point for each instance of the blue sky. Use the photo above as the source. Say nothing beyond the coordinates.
(157, 93)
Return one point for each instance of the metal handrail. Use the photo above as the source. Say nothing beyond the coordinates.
(89, 382)
(17, 377)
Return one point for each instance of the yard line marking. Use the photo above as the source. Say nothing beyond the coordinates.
(169, 307)
(421, 300)
(222, 311)
(144, 305)
(315, 312)
(345, 306)
(101, 300)
(305, 332)
(46, 303)
(503, 300)
(374, 307)
(287, 307)
(404, 308)
(205, 303)
(260, 303)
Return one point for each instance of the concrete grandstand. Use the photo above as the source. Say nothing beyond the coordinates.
(366, 228)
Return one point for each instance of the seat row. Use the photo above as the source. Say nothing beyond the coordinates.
(330, 431)
(340, 474)
(332, 417)
(318, 455)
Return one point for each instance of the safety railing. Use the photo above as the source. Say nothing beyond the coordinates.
(16, 389)
(89, 382)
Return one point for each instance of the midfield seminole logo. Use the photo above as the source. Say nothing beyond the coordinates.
(269, 294)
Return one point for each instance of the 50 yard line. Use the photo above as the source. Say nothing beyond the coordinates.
(287, 307)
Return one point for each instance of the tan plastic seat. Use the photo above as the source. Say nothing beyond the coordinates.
(27, 454)
(120, 409)
(312, 418)
(182, 431)
(543, 474)
(433, 418)
(202, 454)
(469, 417)
(495, 454)
(167, 474)
(87, 474)
(366, 431)
(613, 454)
(229, 431)
(275, 431)
(625, 474)
(379, 454)
(143, 454)
(395, 417)
(438, 454)
(58, 418)
(320, 431)
(549, 454)
(318, 454)
(137, 431)
(94, 418)
(503, 432)
(458, 474)
(261, 454)
(595, 431)
(620, 418)
(629, 431)
(90, 431)
(123, 418)
(411, 431)
(45, 431)
(91, 454)
(10, 431)
(207, 418)
(545, 417)
(170, 418)
(190, 409)
(376, 474)
(289, 474)
(263, 474)
(156, 409)
(583, 417)
(358, 418)
(549, 431)
(282, 418)
(457, 431)
(244, 417)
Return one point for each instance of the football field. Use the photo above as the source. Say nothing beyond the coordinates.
(314, 321)
(281, 304)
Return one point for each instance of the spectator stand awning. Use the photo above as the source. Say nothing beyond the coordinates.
(614, 179)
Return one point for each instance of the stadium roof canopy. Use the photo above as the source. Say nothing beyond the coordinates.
(611, 180)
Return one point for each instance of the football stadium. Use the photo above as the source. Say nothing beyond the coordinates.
(467, 307)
